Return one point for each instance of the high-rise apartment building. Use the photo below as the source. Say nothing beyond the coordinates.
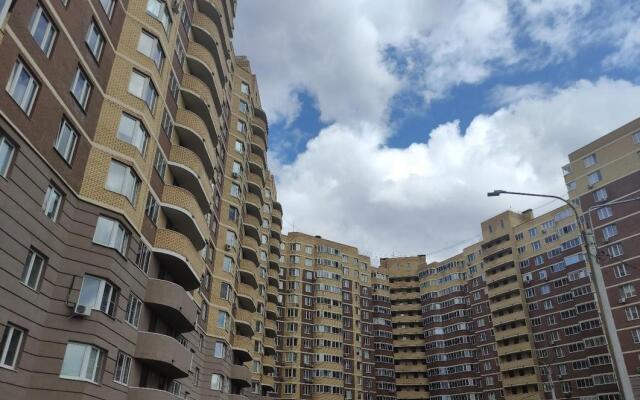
(325, 334)
(139, 227)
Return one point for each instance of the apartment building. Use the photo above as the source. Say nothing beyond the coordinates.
(325, 336)
(603, 181)
(139, 228)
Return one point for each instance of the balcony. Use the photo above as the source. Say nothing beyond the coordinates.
(205, 32)
(147, 393)
(171, 302)
(184, 214)
(244, 322)
(277, 210)
(517, 315)
(507, 381)
(408, 355)
(200, 62)
(274, 261)
(512, 332)
(253, 199)
(268, 383)
(256, 180)
(270, 325)
(193, 135)
(506, 303)
(246, 296)
(258, 145)
(516, 364)
(514, 348)
(408, 342)
(197, 98)
(242, 347)
(501, 275)
(189, 173)
(250, 246)
(412, 381)
(178, 256)
(164, 354)
(270, 343)
(247, 271)
(268, 364)
(503, 289)
(412, 395)
(241, 375)
(251, 226)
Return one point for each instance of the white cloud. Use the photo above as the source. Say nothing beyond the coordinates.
(350, 187)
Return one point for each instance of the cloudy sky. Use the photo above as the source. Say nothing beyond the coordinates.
(390, 120)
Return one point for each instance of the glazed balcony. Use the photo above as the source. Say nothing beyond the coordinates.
(172, 303)
(184, 214)
(147, 393)
(197, 98)
(193, 135)
(201, 62)
(244, 322)
(246, 296)
(241, 375)
(176, 254)
(189, 173)
(163, 354)
(242, 347)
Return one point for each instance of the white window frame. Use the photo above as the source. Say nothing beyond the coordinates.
(122, 179)
(4, 11)
(94, 39)
(52, 201)
(600, 195)
(620, 270)
(155, 50)
(160, 13)
(636, 136)
(8, 341)
(122, 368)
(96, 299)
(589, 160)
(109, 7)
(604, 213)
(50, 34)
(90, 367)
(118, 235)
(35, 263)
(147, 87)
(85, 91)
(138, 138)
(7, 150)
(31, 92)
(66, 141)
(594, 178)
(133, 311)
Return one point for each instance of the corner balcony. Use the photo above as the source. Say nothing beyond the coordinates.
(189, 173)
(184, 214)
(176, 253)
(197, 98)
(241, 375)
(163, 354)
(172, 303)
(242, 347)
(147, 393)
(193, 135)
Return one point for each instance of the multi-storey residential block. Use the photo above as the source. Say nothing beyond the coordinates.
(325, 336)
(603, 180)
(140, 231)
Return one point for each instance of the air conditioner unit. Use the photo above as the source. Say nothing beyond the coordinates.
(227, 247)
(622, 300)
(81, 310)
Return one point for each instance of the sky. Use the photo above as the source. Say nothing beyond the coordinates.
(390, 121)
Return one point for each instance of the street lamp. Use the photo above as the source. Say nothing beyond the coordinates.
(619, 365)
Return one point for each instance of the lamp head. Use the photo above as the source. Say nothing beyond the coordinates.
(495, 193)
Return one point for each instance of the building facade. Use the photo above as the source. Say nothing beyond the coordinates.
(140, 229)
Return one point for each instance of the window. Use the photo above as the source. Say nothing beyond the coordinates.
(636, 136)
(632, 313)
(635, 335)
(627, 291)
(227, 264)
(33, 269)
(589, 160)
(220, 350)
(239, 147)
(95, 40)
(167, 123)
(10, 346)
(226, 292)
(180, 52)
(231, 238)
(123, 367)
(536, 245)
(52, 201)
(244, 88)
(151, 208)
(600, 194)
(173, 85)
(81, 88)
(223, 320)
(241, 126)
(159, 10)
(604, 213)
(234, 190)
(184, 18)
(6, 154)
(111, 233)
(615, 250)
(22, 87)
(134, 307)
(108, 6)
(609, 231)
(98, 294)
(217, 381)
(571, 186)
(150, 46)
(141, 86)
(243, 107)
(132, 131)
(236, 169)
(620, 270)
(234, 214)
(4, 10)
(160, 163)
(142, 258)
(82, 361)
(43, 30)
(594, 178)
(123, 180)
(66, 140)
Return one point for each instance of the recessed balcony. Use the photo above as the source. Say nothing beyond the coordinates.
(176, 254)
(193, 135)
(189, 173)
(274, 261)
(172, 303)
(244, 322)
(251, 226)
(163, 354)
(258, 145)
(255, 180)
(250, 249)
(184, 214)
(246, 296)
(242, 347)
(247, 271)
